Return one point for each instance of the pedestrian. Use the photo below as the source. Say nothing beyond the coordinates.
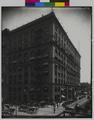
(76, 108)
(57, 105)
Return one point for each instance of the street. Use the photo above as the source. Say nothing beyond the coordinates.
(50, 110)
(43, 111)
(79, 102)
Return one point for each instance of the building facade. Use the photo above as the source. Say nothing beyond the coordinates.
(42, 62)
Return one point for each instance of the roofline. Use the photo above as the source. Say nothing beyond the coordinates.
(43, 18)
(32, 23)
(67, 35)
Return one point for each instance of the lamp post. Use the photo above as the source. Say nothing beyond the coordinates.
(54, 106)
(16, 110)
(25, 94)
(15, 103)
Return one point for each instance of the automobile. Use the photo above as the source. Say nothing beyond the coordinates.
(66, 103)
(6, 113)
(12, 110)
(23, 108)
(6, 106)
(80, 97)
(32, 109)
(42, 103)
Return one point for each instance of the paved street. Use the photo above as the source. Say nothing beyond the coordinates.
(48, 110)
(45, 111)
(79, 102)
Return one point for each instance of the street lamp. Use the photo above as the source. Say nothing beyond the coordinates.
(54, 106)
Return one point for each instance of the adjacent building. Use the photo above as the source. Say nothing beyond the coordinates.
(39, 63)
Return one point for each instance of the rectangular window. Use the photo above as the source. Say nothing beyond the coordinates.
(56, 80)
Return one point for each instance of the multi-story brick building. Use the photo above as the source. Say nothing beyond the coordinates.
(42, 62)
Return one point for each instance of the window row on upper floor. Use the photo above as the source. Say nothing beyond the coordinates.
(63, 41)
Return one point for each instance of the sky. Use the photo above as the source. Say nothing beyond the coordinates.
(75, 21)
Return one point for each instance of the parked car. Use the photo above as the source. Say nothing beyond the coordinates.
(6, 106)
(66, 103)
(80, 97)
(12, 110)
(42, 103)
(6, 113)
(23, 108)
(32, 109)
